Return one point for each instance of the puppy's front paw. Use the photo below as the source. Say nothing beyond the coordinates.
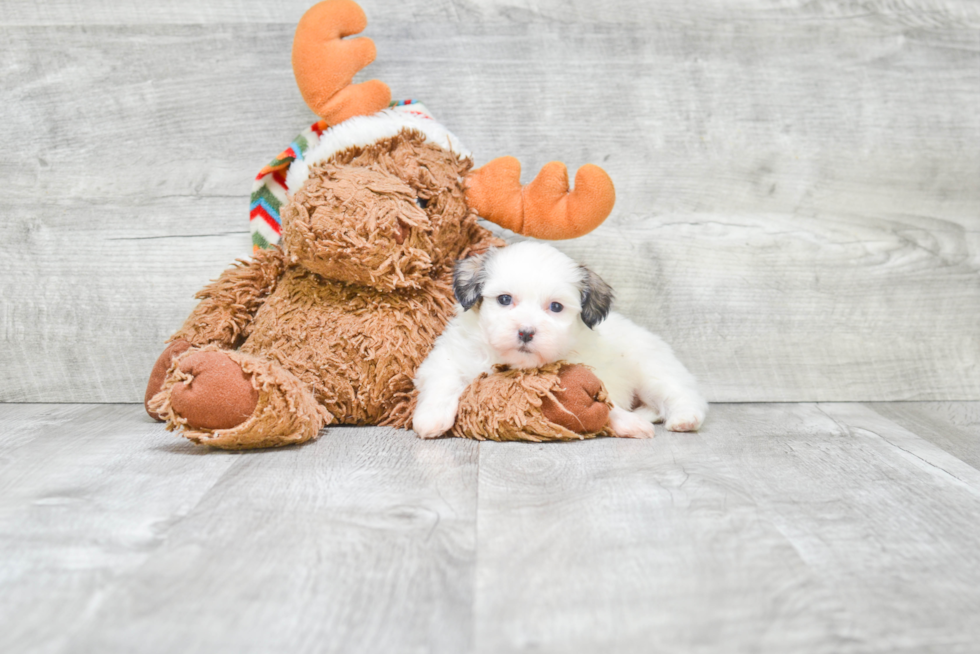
(433, 422)
(627, 424)
(685, 419)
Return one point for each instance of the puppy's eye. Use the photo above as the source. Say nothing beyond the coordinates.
(422, 202)
(556, 307)
(504, 300)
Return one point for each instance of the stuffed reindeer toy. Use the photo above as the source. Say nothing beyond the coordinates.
(359, 225)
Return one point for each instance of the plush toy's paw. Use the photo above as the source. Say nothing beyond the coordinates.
(159, 373)
(218, 393)
(432, 421)
(237, 401)
(579, 407)
(685, 418)
(627, 424)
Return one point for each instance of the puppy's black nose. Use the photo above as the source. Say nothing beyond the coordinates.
(525, 334)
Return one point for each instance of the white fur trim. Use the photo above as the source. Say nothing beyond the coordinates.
(364, 130)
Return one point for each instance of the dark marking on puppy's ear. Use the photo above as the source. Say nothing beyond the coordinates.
(469, 276)
(597, 298)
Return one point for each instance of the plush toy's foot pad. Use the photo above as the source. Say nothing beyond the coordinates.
(237, 401)
(159, 374)
(217, 393)
(578, 407)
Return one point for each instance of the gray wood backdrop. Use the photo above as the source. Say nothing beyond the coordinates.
(798, 180)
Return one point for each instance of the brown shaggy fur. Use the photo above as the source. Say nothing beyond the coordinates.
(507, 406)
(333, 327)
(357, 348)
(224, 314)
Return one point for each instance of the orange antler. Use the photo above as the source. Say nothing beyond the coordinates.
(325, 65)
(544, 208)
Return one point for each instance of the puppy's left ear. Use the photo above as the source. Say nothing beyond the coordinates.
(469, 275)
(597, 298)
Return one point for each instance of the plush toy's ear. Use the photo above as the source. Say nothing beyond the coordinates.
(469, 276)
(325, 62)
(544, 208)
(597, 298)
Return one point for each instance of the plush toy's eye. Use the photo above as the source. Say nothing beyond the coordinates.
(504, 300)
(556, 307)
(422, 202)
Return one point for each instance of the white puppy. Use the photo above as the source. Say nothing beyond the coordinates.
(528, 304)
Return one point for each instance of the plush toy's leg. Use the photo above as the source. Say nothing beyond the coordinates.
(557, 402)
(233, 400)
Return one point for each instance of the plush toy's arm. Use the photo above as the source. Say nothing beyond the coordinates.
(556, 402)
(228, 304)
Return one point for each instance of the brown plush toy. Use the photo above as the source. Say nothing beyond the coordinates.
(329, 325)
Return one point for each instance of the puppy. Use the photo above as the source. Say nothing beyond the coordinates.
(528, 304)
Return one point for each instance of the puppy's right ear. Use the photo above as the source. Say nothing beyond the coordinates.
(469, 276)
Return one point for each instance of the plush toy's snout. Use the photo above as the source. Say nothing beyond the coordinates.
(358, 225)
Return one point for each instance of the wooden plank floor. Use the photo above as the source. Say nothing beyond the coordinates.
(778, 528)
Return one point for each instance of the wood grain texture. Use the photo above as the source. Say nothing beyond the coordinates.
(360, 542)
(797, 210)
(92, 292)
(777, 528)
(636, 546)
(87, 494)
(952, 426)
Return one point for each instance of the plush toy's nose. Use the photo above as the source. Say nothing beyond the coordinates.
(414, 216)
(526, 334)
(401, 231)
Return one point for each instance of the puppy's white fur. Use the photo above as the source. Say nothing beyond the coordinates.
(633, 363)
